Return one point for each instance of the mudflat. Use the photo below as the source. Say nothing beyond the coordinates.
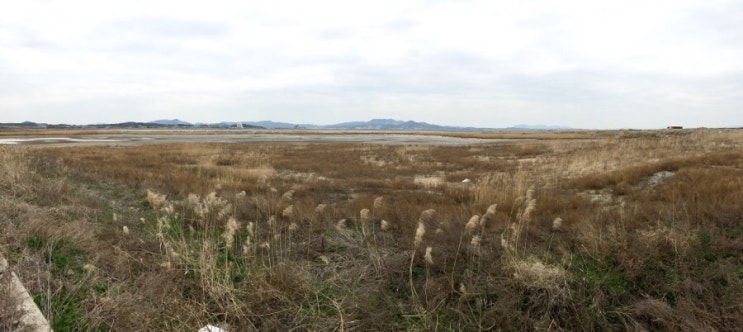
(133, 138)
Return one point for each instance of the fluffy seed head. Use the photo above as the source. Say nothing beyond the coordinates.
(385, 225)
(472, 223)
(491, 209)
(212, 200)
(475, 242)
(427, 214)
(272, 221)
(506, 244)
(90, 268)
(125, 230)
(156, 201)
(419, 233)
(225, 211)
(201, 210)
(320, 208)
(262, 180)
(288, 211)
(364, 215)
(557, 224)
(293, 227)
(341, 225)
(251, 228)
(229, 231)
(378, 202)
(530, 193)
(240, 194)
(429, 258)
(169, 210)
(287, 196)
(531, 205)
(193, 199)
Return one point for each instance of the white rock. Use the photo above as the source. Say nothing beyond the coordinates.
(211, 328)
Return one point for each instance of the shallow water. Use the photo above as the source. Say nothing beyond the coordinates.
(190, 137)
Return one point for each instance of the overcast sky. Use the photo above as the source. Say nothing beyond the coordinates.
(495, 63)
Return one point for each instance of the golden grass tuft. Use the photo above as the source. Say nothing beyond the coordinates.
(156, 200)
(533, 273)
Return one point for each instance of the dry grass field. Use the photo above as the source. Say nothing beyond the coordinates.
(574, 231)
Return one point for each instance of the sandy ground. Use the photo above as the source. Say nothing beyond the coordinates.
(190, 137)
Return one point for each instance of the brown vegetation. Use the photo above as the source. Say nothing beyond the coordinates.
(597, 231)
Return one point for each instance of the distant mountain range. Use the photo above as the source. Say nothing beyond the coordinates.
(375, 124)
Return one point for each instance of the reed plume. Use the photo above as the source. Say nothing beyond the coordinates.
(155, 200)
(419, 233)
(378, 203)
(384, 225)
(341, 225)
(288, 211)
(287, 196)
(475, 242)
(230, 228)
(472, 223)
(427, 215)
(557, 224)
(251, 228)
(428, 257)
(491, 209)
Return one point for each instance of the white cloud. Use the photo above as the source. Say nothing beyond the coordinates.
(478, 63)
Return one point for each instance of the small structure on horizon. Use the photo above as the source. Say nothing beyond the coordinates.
(675, 127)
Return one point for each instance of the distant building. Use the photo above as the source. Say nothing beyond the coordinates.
(674, 127)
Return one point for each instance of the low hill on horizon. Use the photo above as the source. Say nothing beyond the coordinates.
(374, 124)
